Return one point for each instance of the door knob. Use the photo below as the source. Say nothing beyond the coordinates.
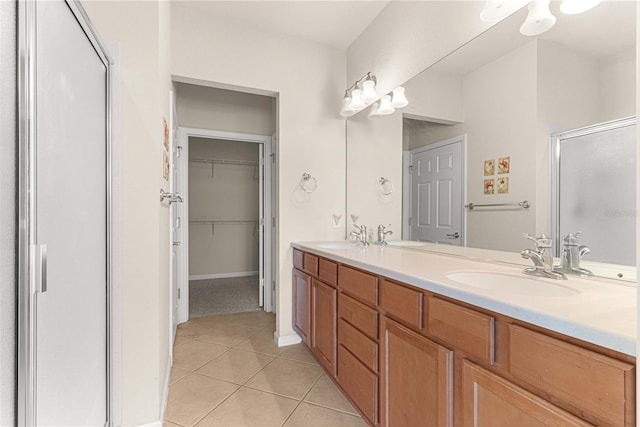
(454, 235)
(175, 243)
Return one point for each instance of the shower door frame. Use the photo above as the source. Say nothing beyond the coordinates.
(555, 142)
(26, 281)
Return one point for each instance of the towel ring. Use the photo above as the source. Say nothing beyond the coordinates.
(385, 187)
(308, 183)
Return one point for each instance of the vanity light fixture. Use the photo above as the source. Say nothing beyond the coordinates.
(573, 7)
(398, 100)
(381, 108)
(346, 110)
(363, 93)
(357, 103)
(369, 90)
(359, 95)
(385, 107)
(388, 103)
(540, 18)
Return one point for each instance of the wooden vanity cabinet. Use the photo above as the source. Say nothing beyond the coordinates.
(490, 401)
(324, 303)
(416, 378)
(302, 305)
(408, 357)
(315, 304)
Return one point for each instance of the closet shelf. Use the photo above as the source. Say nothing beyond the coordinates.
(225, 222)
(226, 162)
(252, 163)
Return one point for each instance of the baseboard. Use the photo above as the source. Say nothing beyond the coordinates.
(285, 340)
(223, 275)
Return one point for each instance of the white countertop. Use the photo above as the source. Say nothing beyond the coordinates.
(602, 312)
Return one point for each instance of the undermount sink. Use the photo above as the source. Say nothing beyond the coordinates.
(335, 245)
(407, 243)
(507, 283)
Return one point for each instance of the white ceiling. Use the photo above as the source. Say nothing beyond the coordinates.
(606, 30)
(335, 23)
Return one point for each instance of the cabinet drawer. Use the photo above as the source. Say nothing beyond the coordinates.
(359, 383)
(328, 272)
(310, 263)
(462, 328)
(357, 343)
(401, 302)
(359, 315)
(361, 285)
(593, 383)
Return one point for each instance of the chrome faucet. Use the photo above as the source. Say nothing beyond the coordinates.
(541, 258)
(382, 234)
(571, 256)
(360, 235)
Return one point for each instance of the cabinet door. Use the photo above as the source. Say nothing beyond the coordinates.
(489, 400)
(323, 337)
(302, 305)
(416, 378)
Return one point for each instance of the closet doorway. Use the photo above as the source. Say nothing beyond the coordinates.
(227, 191)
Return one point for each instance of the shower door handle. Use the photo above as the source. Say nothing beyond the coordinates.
(41, 269)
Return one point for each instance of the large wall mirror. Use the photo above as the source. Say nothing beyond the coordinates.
(479, 130)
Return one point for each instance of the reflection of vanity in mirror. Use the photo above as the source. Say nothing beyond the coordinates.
(480, 128)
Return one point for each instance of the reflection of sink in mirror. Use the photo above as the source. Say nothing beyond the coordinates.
(336, 245)
(509, 284)
(405, 243)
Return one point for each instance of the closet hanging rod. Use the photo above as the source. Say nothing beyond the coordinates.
(225, 222)
(226, 162)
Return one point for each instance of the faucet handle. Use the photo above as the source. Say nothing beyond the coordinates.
(542, 242)
(571, 239)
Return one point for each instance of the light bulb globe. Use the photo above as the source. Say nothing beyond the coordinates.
(398, 99)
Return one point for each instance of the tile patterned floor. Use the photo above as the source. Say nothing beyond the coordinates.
(227, 371)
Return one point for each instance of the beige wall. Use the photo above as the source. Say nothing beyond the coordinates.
(618, 85)
(309, 80)
(232, 193)
(436, 96)
(375, 151)
(141, 30)
(218, 109)
(409, 36)
(500, 119)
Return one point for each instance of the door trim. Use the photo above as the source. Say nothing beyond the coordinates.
(27, 142)
(407, 157)
(184, 133)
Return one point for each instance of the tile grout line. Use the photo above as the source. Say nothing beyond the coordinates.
(222, 401)
(302, 400)
(234, 392)
(227, 349)
(332, 409)
(216, 406)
